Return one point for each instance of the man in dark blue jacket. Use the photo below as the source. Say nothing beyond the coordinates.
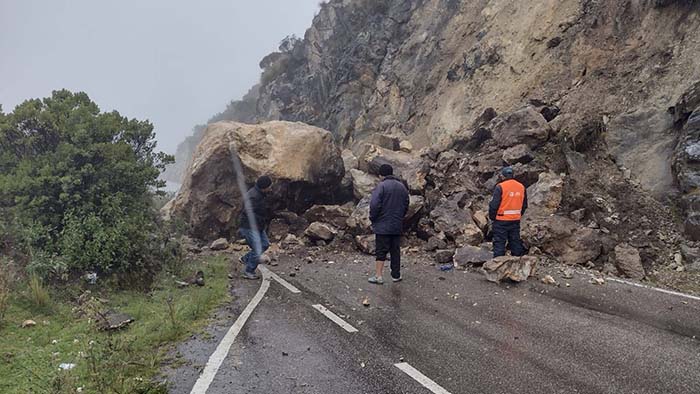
(387, 209)
(252, 223)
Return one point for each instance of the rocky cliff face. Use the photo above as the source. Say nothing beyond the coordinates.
(597, 93)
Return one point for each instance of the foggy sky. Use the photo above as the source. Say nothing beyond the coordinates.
(175, 63)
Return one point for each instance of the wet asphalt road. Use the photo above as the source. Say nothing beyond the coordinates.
(466, 334)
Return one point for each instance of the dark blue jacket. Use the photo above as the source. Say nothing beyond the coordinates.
(388, 206)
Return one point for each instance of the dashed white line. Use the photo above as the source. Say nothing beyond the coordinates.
(675, 293)
(420, 378)
(279, 280)
(216, 358)
(334, 318)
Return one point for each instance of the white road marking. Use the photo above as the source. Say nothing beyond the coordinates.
(215, 360)
(420, 378)
(335, 318)
(675, 293)
(281, 281)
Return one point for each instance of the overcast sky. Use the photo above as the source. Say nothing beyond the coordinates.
(173, 62)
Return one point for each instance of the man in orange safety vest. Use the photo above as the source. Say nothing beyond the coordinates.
(507, 206)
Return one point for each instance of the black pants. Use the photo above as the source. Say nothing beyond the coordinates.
(507, 231)
(390, 244)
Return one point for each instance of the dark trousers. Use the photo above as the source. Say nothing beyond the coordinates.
(390, 244)
(258, 242)
(507, 231)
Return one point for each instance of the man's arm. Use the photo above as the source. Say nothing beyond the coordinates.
(495, 202)
(375, 204)
(524, 203)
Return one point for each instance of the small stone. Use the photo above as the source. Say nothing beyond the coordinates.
(365, 301)
(292, 274)
(28, 323)
(567, 274)
(549, 280)
(406, 146)
(567, 284)
(219, 244)
(597, 281)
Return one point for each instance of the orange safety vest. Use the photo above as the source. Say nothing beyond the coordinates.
(512, 197)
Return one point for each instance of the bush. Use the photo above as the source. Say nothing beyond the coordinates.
(79, 184)
(4, 291)
(38, 295)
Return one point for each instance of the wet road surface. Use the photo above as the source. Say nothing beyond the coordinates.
(463, 333)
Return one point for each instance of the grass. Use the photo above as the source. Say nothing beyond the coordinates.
(120, 362)
(38, 295)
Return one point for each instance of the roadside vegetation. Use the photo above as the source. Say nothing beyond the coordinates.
(80, 241)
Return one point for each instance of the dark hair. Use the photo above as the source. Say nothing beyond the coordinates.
(507, 172)
(263, 182)
(386, 170)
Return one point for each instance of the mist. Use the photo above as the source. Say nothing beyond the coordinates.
(174, 63)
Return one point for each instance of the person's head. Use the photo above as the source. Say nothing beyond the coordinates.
(263, 183)
(386, 170)
(507, 172)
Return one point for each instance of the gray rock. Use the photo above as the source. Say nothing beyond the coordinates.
(318, 231)
(518, 154)
(471, 255)
(628, 261)
(358, 223)
(435, 243)
(691, 258)
(444, 256)
(524, 126)
(362, 183)
(336, 215)
(516, 269)
(219, 244)
(365, 244)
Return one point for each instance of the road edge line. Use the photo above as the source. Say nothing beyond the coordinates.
(217, 358)
(671, 292)
(334, 318)
(420, 378)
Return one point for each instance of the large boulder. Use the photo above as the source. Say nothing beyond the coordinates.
(545, 195)
(516, 269)
(412, 169)
(303, 161)
(518, 154)
(628, 261)
(562, 238)
(524, 126)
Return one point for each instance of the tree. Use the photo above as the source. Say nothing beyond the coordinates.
(80, 182)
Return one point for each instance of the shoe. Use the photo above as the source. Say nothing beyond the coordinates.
(248, 275)
(376, 280)
(399, 279)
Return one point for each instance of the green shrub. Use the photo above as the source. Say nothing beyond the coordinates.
(79, 185)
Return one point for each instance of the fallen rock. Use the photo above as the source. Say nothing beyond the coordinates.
(358, 223)
(516, 269)
(444, 256)
(28, 323)
(691, 257)
(406, 146)
(628, 261)
(291, 240)
(384, 141)
(518, 154)
(524, 126)
(335, 215)
(318, 231)
(112, 320)
(559, 236)
(362, 183)
(435, 243)
(365, 302)
(546, 194)
(365, 244)
(303, 160)
(549, 280)
(411, 169)
(471, 255)
(219, 244)
(456, 223)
